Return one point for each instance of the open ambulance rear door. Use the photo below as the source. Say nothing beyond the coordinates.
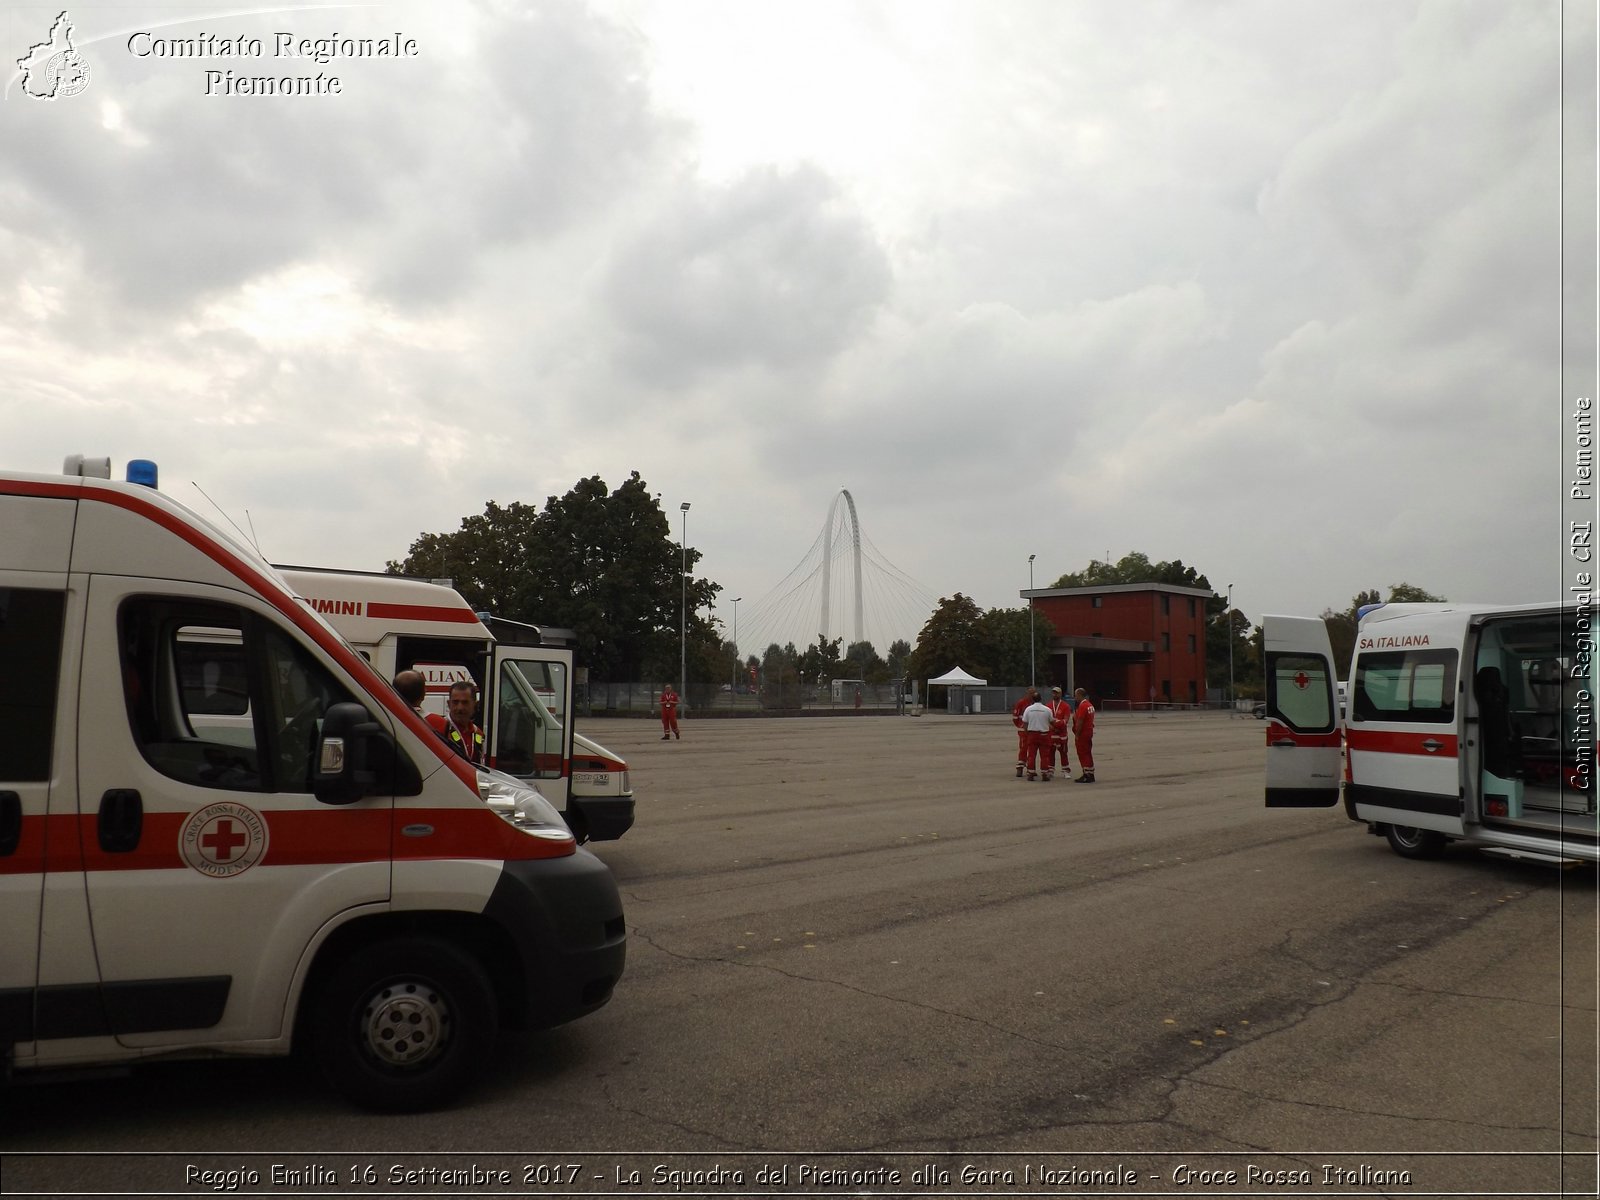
(1303, 744)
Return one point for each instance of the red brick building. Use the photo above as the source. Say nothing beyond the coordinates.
(1120, 641)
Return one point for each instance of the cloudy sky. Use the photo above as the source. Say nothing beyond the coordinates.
(1272, 287)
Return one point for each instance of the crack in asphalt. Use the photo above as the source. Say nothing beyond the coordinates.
(616, 1106)
(1321, 1106)
(861, 991)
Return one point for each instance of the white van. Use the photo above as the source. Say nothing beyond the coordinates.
(524, 674)
(269, 852)
(1465, 723)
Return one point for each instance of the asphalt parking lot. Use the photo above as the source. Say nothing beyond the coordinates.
(864, 937)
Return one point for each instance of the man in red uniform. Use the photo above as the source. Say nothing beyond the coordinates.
(1083, 735)
(1060, 719)
(1028, 697)
(458, 730)
(669, 713)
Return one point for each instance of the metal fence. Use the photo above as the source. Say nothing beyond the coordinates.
(625, 699)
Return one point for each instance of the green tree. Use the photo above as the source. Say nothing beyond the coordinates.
(483, 559)
(1008, 640)
(861, 661)
(600, 562)
(1134, 567)
(780, 677)
(951, 637)
(820, 663)
(1246, 663)
(899, 652)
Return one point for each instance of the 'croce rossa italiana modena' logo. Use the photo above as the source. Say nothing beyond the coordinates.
(53, 69)
(223, 839)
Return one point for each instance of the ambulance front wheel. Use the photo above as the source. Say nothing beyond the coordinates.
(1410, 842)
(404, 1025)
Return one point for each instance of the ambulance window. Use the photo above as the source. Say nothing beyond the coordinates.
(30, 646)
(211, 672)
(528, 737)
(1300, 692)
(184, 682)
(219, 698)
(296, 691)
(1412, 686)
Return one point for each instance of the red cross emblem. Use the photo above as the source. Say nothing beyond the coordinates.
(223, 840)
(1302, 681)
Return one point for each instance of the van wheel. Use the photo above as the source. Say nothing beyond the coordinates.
(404, 1025)
(1410, 842)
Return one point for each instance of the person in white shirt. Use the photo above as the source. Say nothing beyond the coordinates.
(1036, 720)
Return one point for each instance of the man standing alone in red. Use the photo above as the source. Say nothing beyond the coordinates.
(1083, 735)
(669, 713)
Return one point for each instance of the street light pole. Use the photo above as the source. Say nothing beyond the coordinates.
(1033, 677)
(1233, 704)
(733, 684)
(683, 627)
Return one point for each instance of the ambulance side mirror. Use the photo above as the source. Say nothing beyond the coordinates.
(357, 757)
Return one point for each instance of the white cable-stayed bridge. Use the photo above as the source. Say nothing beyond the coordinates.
(843, 587)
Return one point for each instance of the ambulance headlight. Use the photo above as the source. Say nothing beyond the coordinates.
(522, 806)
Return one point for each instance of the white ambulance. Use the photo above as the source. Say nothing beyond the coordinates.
(176, 881)
(1464, 723)
(523, 673)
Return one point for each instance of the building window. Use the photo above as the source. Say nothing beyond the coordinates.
(1166, 642)
(1166, 606)
(1094, 602)
(1191, 643)
(1191, 606)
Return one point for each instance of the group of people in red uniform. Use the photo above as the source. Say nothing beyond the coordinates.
(1042, 731)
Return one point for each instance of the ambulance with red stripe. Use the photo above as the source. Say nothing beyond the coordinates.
(523, 673)
(316, 870)
(1464, 723)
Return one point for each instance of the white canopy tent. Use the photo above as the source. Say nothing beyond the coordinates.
(955, 677)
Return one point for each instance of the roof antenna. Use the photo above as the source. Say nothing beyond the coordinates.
(227, 518)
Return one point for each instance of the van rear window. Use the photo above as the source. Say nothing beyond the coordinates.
(30, 647)
(1414, 686)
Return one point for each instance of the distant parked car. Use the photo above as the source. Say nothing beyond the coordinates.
(1259, 710)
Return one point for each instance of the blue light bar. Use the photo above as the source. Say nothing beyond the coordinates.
(142, 471)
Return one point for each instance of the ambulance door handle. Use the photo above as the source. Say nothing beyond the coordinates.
(1432, 744)
(1290, 742)
(121, 820)
(10, 823)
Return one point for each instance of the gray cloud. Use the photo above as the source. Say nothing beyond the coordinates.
(1214, 282)
(775, 269)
